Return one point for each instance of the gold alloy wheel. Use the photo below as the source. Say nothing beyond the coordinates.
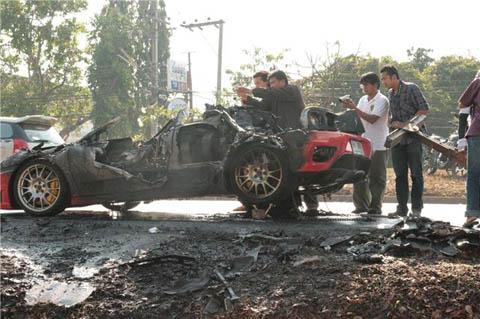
(38, 187)
(259, 174)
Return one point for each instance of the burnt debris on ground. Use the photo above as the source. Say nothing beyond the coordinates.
(420, 268)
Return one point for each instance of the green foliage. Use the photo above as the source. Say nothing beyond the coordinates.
(260, 61)
(39, 40)
(122, 72)
(419, 58)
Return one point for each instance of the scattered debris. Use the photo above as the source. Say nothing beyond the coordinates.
(308, 260)
(188, 285)
(369, 259)
(232, 294)
(58, 293)
(244, 263)
(260, 236)
(178, 259)
(332, 241)
(84, 272)
(153, 230)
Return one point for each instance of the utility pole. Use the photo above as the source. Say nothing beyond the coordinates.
(218, 24)
(189, 83)
(219, 65)
(155, 90)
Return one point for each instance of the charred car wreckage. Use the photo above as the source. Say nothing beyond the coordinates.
(236, 150)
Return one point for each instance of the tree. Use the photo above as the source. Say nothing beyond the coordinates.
(259, 61)
(419, 58)
(41, 59)
(335, 75)
(122, 72)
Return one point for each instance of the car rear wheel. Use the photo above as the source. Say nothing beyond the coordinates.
(259, 174)
(40, 188)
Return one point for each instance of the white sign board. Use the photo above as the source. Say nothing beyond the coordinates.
(177, 76)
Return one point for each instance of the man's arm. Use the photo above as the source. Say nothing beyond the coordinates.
(467, 97)
(282, 94)
(263, 104)
(420, 101)
(370, 118)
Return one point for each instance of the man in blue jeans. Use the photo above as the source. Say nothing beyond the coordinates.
(471, 97)
(406, 101)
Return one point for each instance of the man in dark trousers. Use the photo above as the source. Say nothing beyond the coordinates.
(286, 102)
(406, 101)
(471, 97)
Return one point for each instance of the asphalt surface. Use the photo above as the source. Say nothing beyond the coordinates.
(205, 209)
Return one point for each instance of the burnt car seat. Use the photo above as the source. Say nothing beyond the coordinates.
(198, 142)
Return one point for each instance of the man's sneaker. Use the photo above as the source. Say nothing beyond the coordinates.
(471, 221)
(416, 213)
(358, 211)
(397, 214)
(374, 212)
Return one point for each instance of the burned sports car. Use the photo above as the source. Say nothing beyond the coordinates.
(237, 150)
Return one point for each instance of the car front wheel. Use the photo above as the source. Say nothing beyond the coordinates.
(40, 188)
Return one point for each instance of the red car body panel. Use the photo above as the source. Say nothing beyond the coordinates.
(330, 139)
(5, 201)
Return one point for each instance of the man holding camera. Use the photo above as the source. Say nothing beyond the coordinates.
(406, 101)
(373, 110)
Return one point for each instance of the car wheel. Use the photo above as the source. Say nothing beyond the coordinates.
(41, 189)
(121, 207)
(259, 174)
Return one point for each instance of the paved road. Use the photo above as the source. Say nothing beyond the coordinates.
(199, 209)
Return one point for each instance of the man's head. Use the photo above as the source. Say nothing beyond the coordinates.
(390, 76)
(278, 79)
(370, 83)
(260, 79)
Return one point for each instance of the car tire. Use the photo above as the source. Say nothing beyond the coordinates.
(259, 174)
(121, 207)
(33, 181)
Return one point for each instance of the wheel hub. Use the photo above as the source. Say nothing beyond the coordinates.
(260, 174)
(38, 187)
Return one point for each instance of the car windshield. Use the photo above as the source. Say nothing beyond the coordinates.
(37, 132)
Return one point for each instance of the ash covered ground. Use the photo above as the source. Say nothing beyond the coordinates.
(90, 266)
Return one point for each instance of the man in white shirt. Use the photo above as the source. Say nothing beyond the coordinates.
(373, 110)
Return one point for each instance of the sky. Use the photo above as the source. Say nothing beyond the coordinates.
(307, 27)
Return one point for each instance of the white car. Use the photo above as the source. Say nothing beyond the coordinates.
(26, 132)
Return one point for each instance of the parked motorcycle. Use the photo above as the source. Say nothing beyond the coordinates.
(434, 160)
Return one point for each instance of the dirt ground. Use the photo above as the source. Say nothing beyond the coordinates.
(441, 184)
(301, 269)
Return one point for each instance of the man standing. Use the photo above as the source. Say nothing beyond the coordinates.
(406, 101)
(373, 110)
(471, 97)
(282, 99)
(260, 81)
(286, 102)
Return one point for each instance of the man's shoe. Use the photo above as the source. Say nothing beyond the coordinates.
(374, 212)
(416, 213)
(359, 211)
(397, 214)
(471, 221)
